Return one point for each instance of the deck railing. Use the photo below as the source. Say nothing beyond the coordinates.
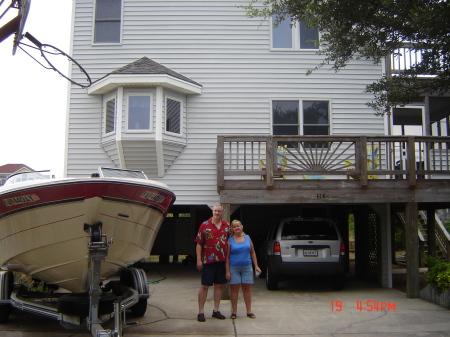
(332, 157)
(404, 58)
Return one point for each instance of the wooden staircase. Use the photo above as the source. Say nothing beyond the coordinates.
(442, 249)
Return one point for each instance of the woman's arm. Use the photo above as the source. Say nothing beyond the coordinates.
(253, 256)
(227, 263)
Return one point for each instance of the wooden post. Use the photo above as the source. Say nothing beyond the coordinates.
(270, 161)
(386, 246)
(226, 212)
(431, 230)
(411, 160)
(412, 250)
(362, 156)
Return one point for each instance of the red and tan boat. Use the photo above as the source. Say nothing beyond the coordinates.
(46, 225)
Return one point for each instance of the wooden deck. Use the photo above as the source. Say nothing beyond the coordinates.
(333, 169)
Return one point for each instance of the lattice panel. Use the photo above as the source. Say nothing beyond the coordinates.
(374, 247)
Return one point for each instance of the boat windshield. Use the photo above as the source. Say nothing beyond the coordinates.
(27, 176)
(120, 173)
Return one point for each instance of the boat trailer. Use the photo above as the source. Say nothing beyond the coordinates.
(93, 308)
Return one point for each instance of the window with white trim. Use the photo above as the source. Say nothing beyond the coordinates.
(138, 112)
(107, 27)
(173, 116)
(300, 117)
(293, 35)
(110, 111)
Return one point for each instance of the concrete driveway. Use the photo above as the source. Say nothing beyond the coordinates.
(298, 308)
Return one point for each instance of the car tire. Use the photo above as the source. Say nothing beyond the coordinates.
(271, 280)
(338, 282)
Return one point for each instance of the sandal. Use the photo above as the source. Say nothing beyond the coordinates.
(233, 316)
(251, 315)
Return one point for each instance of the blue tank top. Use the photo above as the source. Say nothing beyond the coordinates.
(240, 252)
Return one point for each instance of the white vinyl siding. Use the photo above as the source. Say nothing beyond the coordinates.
(216, 45)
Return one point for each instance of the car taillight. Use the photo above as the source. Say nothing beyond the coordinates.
(276, 248)
(342, 251)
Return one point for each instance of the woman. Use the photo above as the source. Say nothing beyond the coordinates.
(239, 271)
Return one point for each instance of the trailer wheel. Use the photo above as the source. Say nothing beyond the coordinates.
(6, 288)
(140, 308)
(137, 279)
(5, 310)
(77, 304)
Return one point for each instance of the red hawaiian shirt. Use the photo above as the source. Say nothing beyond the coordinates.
(213, 241)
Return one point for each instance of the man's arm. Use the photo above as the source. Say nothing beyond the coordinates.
(198, 250)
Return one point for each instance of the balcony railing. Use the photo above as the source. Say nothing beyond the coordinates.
(404, 58)
(332, 157)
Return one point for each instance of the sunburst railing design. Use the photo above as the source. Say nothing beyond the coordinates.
(316, 157)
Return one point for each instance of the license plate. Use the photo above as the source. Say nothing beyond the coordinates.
(310, 252)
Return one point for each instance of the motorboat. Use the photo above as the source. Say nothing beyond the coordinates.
(43, 223)
(76, 233)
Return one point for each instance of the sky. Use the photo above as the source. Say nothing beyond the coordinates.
(33, 100)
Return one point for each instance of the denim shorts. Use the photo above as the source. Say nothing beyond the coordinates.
(241, 274)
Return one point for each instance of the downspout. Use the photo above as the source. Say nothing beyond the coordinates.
(119, 128)
(427, 116)
(158, 131)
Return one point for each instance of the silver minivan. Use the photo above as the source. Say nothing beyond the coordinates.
(304, 246)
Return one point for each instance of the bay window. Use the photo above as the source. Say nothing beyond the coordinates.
(110, 111)
(173, 116)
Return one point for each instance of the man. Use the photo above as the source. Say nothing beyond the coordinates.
(211, 249)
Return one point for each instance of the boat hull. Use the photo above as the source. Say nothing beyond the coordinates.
(42, 227)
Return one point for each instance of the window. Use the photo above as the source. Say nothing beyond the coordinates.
(173, 116)
(293, 35)
(107, 21)
(139, 113)
(110, 115)
(285, 117)
(282, 34)
(312, 119)
(315, 118)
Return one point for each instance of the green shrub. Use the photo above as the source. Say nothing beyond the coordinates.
(438, 273)
(443, 280)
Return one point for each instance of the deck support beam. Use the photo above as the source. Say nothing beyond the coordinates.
(431, 230)
(384, 213)
(412, 250)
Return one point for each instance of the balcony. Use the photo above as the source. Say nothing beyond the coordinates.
(348, 168)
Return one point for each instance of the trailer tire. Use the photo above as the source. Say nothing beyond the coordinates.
(77, 304)
(140, 308)
(137, 279)
(5, 310)
(6, 288)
